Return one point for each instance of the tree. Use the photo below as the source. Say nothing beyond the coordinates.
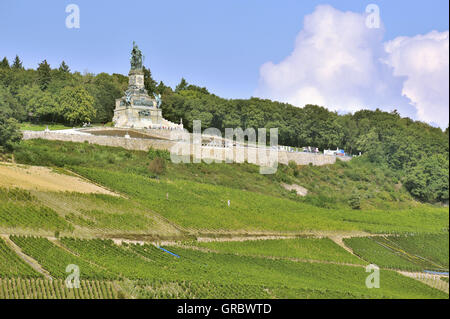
(10, 134)
(9, 106)
(182, 85)
(4, 64)
(76, 105)
(429, 180)
(105, 89)
(64, 67)
(149, 82)
(44, 75)
(17, 64)
(25, 96)
(44, 107)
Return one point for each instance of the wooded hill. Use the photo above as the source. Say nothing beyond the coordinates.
(415, 151)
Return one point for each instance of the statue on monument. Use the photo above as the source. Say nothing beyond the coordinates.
(136, 58)
(158, 100)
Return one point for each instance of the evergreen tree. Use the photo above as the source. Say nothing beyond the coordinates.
(64, 67)
(182, 85)
(44, 76)
(149, 82)
(17, 64)
(4, 64)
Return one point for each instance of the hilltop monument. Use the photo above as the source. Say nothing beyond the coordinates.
(136, 109)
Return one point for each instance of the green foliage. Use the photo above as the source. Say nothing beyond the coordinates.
(12, 266)
(18, 209)
(149, 83)
(355, 201)
(156, 153)
(44, 75)
(198, 193)
(428, 181)
(17, 64)
(148, 264)
(384, 138)
(55, 259)
(76, 105)
(19, 288)
(9, 133)
(322, 249)
(415, 252)
(64, 67)
(4, 64)
(203, 206)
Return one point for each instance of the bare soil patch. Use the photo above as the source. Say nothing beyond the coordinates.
(44, 179)
(301, 191)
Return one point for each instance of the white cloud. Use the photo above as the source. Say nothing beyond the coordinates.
(424, 60)
(340, 63)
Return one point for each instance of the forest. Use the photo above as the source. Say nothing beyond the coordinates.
(416, 152)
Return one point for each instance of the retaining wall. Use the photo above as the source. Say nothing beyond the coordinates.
(234, 154)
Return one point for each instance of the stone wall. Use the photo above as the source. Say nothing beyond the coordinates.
(219, 154)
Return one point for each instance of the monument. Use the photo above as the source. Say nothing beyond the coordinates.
(137, 109)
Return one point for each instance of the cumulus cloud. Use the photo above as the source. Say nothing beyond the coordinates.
(340, 63)
(424, 60)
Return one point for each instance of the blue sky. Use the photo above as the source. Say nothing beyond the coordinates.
(218, 44)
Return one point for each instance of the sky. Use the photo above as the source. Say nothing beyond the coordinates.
(301, 52)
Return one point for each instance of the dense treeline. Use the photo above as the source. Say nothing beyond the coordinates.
(57, 95)
(417, 151)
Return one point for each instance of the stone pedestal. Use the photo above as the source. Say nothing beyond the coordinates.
(137, 109)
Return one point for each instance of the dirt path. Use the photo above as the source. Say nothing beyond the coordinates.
(30, 261)
(43, 178)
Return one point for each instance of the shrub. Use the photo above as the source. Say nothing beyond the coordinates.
(157, 166)
(355, 201)
(154, 153)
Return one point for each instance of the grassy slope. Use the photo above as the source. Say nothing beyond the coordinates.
(198, 193)
(197, 201)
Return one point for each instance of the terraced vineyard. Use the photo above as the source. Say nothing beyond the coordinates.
(321, 249)
(18, 208)
(203, 207)
(55, 259)
(53, 230)
(12, 266)
(146, 271)
(413, 253)
(19, 288)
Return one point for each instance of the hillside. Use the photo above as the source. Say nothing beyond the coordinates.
(254, 248)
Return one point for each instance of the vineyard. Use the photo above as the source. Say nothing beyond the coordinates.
(144, 271)
(18, 209)
(323, 249)
(225, 224)
(412, 253)
(19, 288)
(204, 207)
(11, 265)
